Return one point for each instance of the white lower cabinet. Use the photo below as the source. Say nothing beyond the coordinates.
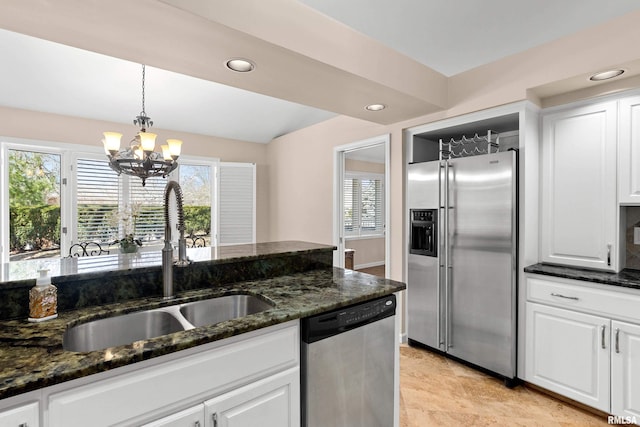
(192, 417)
(579, 343)
(255, 373)
(625, 369)
(273, 401)
(21, 416)
(568, 353)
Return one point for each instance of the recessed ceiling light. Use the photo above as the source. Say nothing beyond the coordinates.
(240, 65)
(375, 107)
(605, 75)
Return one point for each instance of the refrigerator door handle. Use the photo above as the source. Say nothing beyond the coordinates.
(447, 259)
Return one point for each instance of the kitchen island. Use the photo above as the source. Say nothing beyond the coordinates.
(33, 361)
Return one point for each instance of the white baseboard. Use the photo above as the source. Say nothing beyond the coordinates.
(367, 265)
(403, 338)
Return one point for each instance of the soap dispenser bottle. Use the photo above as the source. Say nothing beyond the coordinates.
(43, 299)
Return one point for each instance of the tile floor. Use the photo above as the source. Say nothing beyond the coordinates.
(437, 391)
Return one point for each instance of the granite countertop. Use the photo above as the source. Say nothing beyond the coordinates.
(626, 278)
(74, 268)
(32, 357)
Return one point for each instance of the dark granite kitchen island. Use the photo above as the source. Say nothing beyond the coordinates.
(32, 357)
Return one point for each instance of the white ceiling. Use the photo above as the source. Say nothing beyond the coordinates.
(45, 76)
(41, 75)
(455, 36)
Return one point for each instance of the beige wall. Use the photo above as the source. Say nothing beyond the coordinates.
(54, 128)
(368, 252)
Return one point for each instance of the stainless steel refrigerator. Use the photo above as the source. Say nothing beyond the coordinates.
(462, 276)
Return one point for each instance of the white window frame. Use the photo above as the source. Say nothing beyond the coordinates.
(369, 176)
(63, 150)
(214, 165)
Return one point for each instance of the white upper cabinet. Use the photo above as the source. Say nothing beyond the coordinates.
(629, 155)
(578, 194)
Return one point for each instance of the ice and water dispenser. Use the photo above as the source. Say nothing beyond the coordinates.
(424, 232)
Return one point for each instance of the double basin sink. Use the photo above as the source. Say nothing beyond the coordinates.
(142, 325)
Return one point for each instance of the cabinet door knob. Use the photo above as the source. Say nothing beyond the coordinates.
(617, 340)
(196, 424)
(214, 418)
(603, 328)
(609, 254)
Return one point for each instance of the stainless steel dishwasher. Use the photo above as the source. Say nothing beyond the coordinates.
(347, 359)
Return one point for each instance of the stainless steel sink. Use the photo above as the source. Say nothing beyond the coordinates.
(216, 310)
(128, 328)
(120, 330)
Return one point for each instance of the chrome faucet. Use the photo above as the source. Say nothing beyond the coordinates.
(167, 251)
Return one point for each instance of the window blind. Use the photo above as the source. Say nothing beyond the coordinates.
(97, 201)
(236, 203)
(147, 202)
(363, 206)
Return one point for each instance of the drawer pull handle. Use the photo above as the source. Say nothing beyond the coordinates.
(609, 255)
(603, 328)
(564, 296)
(617, 340)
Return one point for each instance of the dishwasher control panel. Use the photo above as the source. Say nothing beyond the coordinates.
(365, 311)
(334, 322)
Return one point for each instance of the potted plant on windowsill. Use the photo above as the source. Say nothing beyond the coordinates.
(125, 221)
(128, 244)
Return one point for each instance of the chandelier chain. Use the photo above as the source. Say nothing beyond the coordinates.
(143, 74)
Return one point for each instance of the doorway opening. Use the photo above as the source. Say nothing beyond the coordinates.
(361, 206)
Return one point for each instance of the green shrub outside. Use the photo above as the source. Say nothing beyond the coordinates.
(38, 226)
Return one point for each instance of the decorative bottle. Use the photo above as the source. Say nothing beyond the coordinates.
(43, 299)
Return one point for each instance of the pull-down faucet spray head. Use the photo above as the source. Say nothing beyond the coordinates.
(167, 251)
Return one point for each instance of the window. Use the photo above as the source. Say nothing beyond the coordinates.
(363, 205)
(34, 204)
(197, 189)
(110, 207)
(53, 198)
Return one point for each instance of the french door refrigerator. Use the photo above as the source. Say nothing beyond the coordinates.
(462, 261)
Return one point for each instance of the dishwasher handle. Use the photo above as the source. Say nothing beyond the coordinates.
(335, 322)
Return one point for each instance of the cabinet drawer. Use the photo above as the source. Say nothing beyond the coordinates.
(26, 415)
(584, 296)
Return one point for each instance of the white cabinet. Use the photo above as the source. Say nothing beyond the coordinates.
(22, 416)
(625, 369)
(629, 151)
(568, 353)
(583, 342)
(578, 195)
(274, 401)
(192, 417)
(130, 396)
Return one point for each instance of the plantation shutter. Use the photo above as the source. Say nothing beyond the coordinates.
(351, 207)
(236, 203)
(97, 201)
(364, 206)
(372, 221)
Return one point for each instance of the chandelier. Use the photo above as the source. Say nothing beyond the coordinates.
(139, 158)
